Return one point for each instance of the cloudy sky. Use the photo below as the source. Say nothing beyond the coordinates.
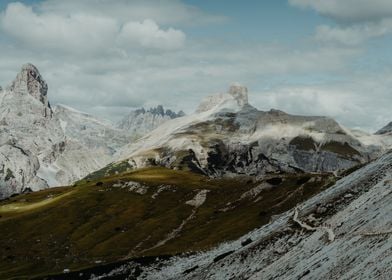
(311, 57)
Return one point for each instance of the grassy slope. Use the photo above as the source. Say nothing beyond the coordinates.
(75, 227)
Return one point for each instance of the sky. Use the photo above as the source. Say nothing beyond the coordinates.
(308, 57)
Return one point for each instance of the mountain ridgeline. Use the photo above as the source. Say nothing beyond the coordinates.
(44, 146)
(140, 121)
(227, 136)
(227, 192)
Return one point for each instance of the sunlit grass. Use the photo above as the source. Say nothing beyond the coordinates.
(72, 227)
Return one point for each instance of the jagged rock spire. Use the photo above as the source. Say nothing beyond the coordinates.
(29, 81)
(236, 91)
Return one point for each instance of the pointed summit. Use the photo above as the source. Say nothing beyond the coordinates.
(240, 93)
(29, 81)
(236, 97)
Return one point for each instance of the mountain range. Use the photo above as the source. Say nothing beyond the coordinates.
(141, 121)
(226, 192)
(45, 146)
(227, 136)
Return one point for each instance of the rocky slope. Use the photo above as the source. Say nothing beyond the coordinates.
(41, 147)
(90, 131)
(343, 232)
(386, 129)
(226, 135)
(139, 122)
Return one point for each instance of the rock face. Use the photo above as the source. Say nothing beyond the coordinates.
(29, 81)
(141, 121)
(39, 147)
(28, 133)
(385, 130)
(91, 132)
(227, 136)
(237, 96)
(240, 93)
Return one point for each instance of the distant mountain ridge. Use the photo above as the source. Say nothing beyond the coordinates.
(141, 121)
(43, 146)
(227, 136)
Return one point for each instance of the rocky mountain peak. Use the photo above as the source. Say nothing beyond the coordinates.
(240, 93)
(29, 81)
(236, 93)
(157, 111)
(141, 121)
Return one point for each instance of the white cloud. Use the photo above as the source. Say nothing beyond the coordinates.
(353, 34)
(363, 102)
(357, 20)
(147, 34)
(349, 10)
(178, 79)
(108, 58)
(164, 12)
(85, 33)
(77, 33)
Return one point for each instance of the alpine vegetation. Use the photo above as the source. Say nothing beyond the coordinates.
(128, 150)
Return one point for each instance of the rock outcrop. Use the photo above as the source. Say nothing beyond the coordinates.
(28, 133)
(236, 96)
(29, 81)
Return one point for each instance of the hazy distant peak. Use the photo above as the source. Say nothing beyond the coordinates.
(141, 121)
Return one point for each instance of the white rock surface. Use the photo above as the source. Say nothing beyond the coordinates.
(199, 199)
(41, 147)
